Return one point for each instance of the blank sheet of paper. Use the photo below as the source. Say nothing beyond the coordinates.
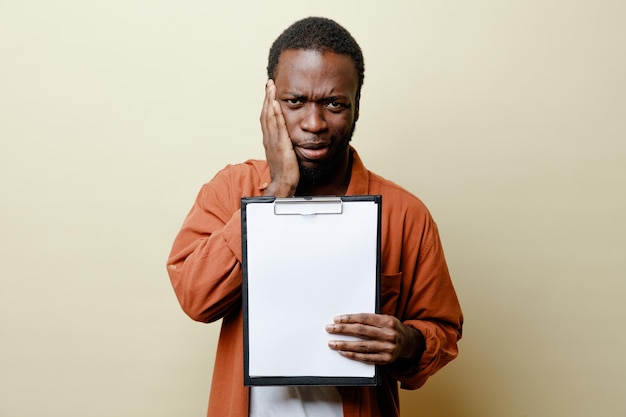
(301, 271)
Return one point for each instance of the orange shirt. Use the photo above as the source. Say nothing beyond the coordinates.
(205, 270)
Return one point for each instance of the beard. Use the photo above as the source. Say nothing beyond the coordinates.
(318, 175)
(325, 171)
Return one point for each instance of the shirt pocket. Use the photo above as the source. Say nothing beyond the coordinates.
(389, 292)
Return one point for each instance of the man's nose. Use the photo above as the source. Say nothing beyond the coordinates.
(313, 119)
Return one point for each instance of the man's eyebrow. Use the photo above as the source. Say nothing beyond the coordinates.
(295, 95)
(303, 96)
(333, 98)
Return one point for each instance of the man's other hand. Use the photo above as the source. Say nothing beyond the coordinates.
(383, 339)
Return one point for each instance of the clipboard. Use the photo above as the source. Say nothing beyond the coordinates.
(305, 261)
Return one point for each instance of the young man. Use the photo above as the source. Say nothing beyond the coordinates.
(311, 106)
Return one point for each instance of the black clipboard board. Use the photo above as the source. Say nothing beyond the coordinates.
(306, 260)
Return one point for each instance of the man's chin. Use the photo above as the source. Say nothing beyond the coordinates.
(321, 172)
(316, 175)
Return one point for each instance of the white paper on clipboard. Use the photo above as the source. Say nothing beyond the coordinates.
(305, 262)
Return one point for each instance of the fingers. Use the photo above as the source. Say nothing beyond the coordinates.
(267, 118)
(379, 337)
(273, 125)
(364, 323)
(367, 318)
(279, 153)
(366, 351)
(364, 330)
(281, 124)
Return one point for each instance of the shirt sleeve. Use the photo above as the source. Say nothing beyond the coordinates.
(204, 265)
(432, 307)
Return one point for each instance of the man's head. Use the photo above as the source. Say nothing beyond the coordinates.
(317, 69)
(318, 34)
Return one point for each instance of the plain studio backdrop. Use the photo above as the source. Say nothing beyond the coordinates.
(507, 118)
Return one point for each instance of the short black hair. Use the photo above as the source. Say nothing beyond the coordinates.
(318, 34)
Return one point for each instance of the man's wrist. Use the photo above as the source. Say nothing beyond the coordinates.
(276, 190)
(408, 361)
(415, 346)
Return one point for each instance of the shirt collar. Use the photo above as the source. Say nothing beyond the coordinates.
(359, 178)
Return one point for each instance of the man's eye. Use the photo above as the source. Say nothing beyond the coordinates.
(333, 105)
(293, 101)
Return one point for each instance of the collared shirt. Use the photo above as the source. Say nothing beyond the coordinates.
(205, 270)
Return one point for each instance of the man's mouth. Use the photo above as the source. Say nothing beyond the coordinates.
(312, 151)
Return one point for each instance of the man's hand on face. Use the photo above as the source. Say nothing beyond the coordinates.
(279, 152)
(384, 339)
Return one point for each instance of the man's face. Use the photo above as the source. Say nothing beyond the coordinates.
(317, 93)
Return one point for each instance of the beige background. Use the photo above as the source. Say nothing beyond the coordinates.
(506, 117)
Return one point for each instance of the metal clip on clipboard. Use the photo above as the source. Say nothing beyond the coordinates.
(308, 206)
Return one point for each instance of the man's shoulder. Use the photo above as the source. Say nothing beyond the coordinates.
(242, 178)
(400, 207)
(258, 166)
(252, 168)
(390, 190)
